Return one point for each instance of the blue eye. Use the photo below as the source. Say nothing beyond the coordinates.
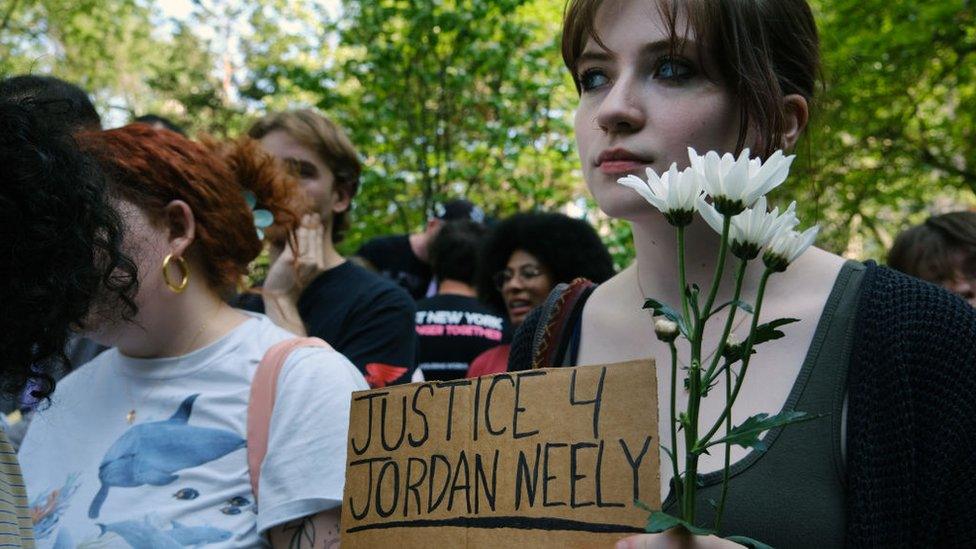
(673, 69)
(593, 79)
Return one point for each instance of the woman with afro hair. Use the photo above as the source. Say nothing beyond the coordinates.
(523, 259)
(62, 248)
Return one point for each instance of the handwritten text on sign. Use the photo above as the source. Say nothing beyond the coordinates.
(563, 452)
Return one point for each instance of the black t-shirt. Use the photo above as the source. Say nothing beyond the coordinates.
(394, 259)
(451, 331)
(363, 316)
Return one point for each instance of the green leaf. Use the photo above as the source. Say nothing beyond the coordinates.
(747, 434)
(668, 312)
(749, 542)
(764, 332)
(660, 522)
(669, 453)
(641, 505)
(768, 331)
(660, 308)
(738, 303)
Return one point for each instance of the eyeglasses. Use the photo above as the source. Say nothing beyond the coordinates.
(525, 274)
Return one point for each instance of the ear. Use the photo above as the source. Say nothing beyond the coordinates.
(341, 200)
(433, 225)
(181, 226)
(797, 112)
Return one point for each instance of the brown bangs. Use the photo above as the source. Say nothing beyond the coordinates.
(764, 50)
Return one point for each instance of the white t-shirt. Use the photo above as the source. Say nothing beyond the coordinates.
(178, 476)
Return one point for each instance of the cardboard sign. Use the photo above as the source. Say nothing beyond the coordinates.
(542, 458)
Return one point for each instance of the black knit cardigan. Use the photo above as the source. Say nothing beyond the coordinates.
(911, 422)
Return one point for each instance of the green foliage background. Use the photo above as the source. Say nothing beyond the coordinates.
(469, 98)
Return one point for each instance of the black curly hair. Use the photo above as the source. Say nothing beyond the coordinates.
(52, 100)
(454, 251)
(569, 248)
(60, 250)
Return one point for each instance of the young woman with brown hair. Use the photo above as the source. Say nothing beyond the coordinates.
(889, 363)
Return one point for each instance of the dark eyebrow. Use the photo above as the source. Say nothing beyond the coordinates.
(298, 163)
(648, 49)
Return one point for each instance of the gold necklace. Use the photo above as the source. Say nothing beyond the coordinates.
(735, 327)
(130, 417)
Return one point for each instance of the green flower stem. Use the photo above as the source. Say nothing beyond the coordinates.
(682, 276)
(703, 443)
(689, 500)
(728, 451)
(740, 274)
(691, 437)
(720, 268)
(694, 396)
(674, 422)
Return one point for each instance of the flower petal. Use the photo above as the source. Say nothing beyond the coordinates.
(642, 189)
(710, 215)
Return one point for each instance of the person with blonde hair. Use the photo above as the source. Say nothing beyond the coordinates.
(316, 291)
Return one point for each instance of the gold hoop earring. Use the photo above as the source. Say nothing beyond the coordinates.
(184, 272)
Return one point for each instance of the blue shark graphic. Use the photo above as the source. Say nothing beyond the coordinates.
(141, 534)
(197, 535)
(151, 453)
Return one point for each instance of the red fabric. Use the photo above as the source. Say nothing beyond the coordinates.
(380, 375)
(492, 361)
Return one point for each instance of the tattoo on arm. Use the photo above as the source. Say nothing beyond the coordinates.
(314, 532)
(303, 531)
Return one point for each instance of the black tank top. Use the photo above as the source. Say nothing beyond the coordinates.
(791, 494)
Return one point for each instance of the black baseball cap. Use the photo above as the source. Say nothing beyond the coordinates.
(459, 209)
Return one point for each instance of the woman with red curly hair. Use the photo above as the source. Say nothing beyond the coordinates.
(145, 445)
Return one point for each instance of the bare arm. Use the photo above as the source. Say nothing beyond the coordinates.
(319, 531)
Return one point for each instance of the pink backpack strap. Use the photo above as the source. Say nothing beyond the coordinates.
(264, 387)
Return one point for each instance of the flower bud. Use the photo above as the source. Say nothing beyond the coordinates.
(733, 348)
(666, 330)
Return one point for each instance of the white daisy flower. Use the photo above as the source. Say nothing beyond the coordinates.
(673, 193)
(736, 183)
(787, 245)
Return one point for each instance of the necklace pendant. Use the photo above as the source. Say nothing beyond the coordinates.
(130, 418)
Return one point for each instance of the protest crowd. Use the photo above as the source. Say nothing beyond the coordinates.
(158, 394)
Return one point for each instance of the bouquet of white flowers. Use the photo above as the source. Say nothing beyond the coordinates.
(729, 194)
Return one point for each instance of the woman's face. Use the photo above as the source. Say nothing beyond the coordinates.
(146, 244)
(642, 108)
(526, 283)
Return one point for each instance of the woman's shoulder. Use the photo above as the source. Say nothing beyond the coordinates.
(322, 366)
(916, 336)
